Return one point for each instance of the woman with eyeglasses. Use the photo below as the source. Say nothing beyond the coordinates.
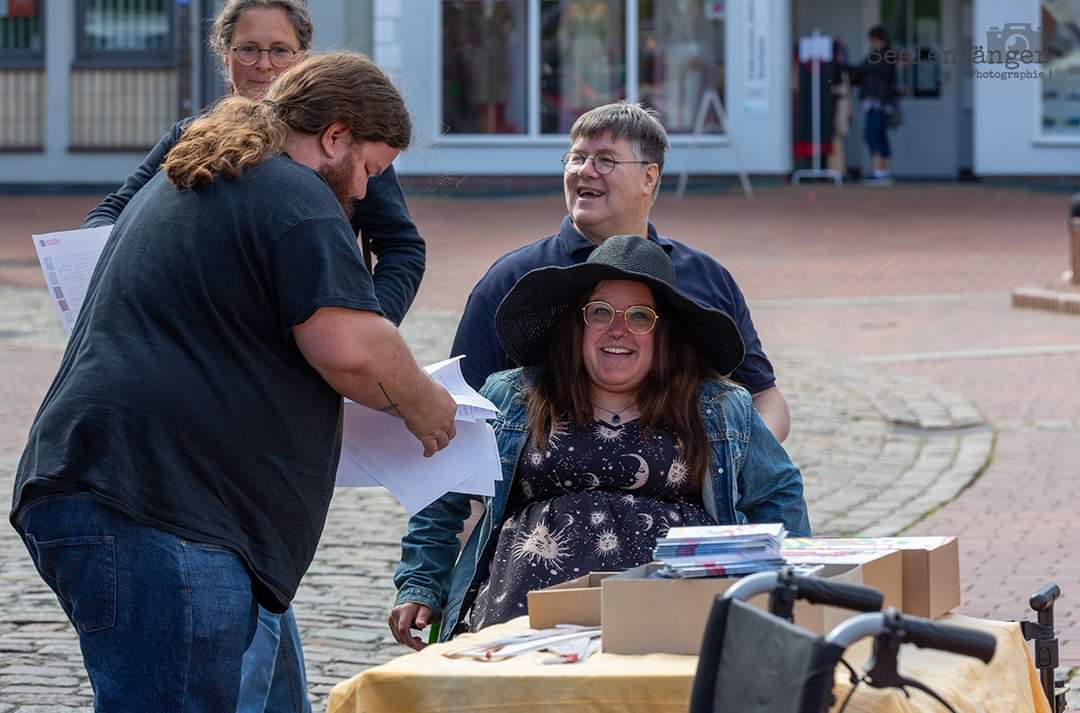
(256, 40)
(619, 426)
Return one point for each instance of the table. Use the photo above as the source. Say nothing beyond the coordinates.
(428, 682)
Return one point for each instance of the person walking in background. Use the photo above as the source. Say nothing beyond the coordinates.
(876, 79)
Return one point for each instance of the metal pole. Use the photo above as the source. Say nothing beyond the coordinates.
(815, 105)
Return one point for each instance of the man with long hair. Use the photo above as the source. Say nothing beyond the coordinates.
(180, 469)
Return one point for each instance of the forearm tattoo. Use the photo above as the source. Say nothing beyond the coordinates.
(391, 407)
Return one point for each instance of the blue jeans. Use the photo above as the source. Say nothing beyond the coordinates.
(273, 678)
(876, 133)
(163, 622)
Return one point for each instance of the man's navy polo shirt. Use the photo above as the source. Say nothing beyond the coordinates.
(697, 275)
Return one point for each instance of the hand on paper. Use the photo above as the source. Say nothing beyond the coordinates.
(432, 421)
(409, 616)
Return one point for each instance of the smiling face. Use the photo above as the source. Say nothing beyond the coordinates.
(615, 203)
(265, 28)
(615, 359)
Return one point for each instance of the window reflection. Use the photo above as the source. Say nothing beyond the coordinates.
(582, 59)
(127, 25)
(1061, 57)
(485, 66)
(681, 56)
(21, 28)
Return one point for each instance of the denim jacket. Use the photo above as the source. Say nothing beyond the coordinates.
(751, 479)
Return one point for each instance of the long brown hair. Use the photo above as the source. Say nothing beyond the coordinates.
(308, 97)
(668, 395)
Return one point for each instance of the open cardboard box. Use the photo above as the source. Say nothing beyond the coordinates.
(882, 570)
(573, 602)
(645, 616)
(931, 580)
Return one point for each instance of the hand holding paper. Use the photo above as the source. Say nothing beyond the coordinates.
(377, 449)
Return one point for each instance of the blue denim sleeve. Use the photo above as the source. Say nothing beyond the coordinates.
(400, 252)
(770, 484)
(476, 339)
(429, 551)
(109, 209)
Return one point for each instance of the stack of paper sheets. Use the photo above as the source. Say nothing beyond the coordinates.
(720, 550)
(377, 449)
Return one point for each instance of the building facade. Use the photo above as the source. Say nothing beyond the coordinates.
(87, 86)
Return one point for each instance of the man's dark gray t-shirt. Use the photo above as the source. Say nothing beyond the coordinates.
(182, 398)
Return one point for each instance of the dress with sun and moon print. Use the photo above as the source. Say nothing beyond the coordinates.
(594, 499)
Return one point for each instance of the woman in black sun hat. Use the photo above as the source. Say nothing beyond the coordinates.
(619, 425)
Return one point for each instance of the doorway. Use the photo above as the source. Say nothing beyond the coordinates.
(934, 140)
(927, 34)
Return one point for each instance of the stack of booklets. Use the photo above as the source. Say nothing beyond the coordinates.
(720, 550)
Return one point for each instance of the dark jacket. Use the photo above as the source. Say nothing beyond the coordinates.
(876, 77)
(381, 216)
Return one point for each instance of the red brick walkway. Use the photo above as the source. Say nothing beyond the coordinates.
(1017, 522)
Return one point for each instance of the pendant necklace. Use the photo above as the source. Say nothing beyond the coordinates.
(615, 415)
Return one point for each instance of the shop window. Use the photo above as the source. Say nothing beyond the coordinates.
(125, 33)
(582, 59)
(22, 33)
(485, 66)
(1060, 76)
(680, 58)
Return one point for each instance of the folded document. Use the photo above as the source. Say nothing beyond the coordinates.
(377, 449)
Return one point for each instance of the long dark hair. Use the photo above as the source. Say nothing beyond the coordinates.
(668, 395)
(324, 88)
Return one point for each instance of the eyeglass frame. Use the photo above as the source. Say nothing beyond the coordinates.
(293, 54)
(616, 312)
(596, 166)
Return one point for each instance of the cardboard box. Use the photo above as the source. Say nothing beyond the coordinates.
(573, 602)
(646, 616)
(931, 567)
(882, 570)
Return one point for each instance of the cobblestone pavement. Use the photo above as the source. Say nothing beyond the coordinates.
(947, 413)
(876, 455)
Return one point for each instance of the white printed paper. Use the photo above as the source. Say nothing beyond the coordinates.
(67, 261)
(377, 449)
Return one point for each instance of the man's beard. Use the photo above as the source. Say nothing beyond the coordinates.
(340, 179)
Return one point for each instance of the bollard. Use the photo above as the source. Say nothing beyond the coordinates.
(1074, 223)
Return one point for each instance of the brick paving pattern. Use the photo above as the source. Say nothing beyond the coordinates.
(920, 398)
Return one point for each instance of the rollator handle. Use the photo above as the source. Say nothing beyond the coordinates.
(946, 637)
(839, 594)
(1044, 598)
(913, 630)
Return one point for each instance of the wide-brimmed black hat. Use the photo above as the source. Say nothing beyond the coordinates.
(541, 297)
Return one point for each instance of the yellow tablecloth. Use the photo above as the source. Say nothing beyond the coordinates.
(427, 682)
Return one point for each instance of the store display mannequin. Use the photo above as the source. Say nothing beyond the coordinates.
(679, 35)
(488, 63)
(587, 36)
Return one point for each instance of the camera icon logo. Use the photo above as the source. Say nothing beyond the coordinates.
(1009, 40)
